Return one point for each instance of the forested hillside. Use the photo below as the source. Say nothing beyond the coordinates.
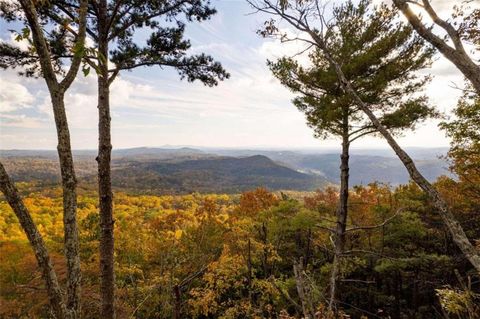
(161, 171)
(234, 256)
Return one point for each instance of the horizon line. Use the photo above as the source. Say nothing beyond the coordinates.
(253, 147)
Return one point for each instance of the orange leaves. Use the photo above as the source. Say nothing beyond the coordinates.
(325, 200)
(255, 201)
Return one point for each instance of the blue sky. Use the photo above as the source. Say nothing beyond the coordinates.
(152, 107)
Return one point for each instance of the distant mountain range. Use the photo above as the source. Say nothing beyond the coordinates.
(166, 171)
(185, 170)
(366, 166)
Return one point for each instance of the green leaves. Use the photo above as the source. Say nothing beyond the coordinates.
(23, 35)
(85, 70)
(379, 57)
(166, 45)
(78, 49)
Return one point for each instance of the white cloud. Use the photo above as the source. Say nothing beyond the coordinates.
(13, 96)
(151, 107)
(22, 121)
(21, 44)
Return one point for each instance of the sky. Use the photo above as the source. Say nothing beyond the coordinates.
(152, 107)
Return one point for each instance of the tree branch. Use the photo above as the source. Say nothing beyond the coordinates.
(386, 221)
(78, 49)
(36, 241)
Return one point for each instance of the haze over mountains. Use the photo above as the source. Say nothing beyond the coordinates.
(209, 170)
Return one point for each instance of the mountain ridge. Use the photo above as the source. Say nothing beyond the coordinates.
(173, 174)
(199, 164)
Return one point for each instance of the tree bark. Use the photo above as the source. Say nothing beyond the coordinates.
(104, 171)
(249, 269)
(303, 291)
(177, 309)
(36, 241)
(69, 184)
(455, 229)
(457, 54)
(342, 212)
(57, 91)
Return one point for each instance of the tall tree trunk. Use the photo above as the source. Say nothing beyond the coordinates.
(342, 212)
(104, 172)
(36, 241)
(69, 183)
(457, 54)
(455, 229)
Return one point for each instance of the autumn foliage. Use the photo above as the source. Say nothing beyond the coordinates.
(232, 256)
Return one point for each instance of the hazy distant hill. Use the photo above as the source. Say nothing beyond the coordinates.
(221, 174)
(131, 153)
(140, 153)
(185, 169)
(365, 169)
(159, 172)
(366, 166)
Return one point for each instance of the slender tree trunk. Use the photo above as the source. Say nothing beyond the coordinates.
(303, 291)
(104, 172)
(249, 269)
(454, 227)
(342, 213)
(457, 55)
(177, 309)
(36, 241)
(69, 183)
(57, 94)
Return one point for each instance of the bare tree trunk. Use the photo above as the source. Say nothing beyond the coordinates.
(69, 183)
(36, 241)
(106, 204)
(177, 309)
(457, 54)
(249, 269)
(455, 229)
(303, 291)
(57, 92)
(104, 171)
(342, 213)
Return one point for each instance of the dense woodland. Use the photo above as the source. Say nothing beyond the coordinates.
(225, 256)
(343, 251)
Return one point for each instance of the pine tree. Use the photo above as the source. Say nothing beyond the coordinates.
(308, 17)
(380, 58)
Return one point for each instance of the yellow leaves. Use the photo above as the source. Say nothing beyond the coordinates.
(203, 302)
(178, 234)
(222, 218)
(207, 300)
(455, 301)
(226, 268)
(129, 270)
(173, 234)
